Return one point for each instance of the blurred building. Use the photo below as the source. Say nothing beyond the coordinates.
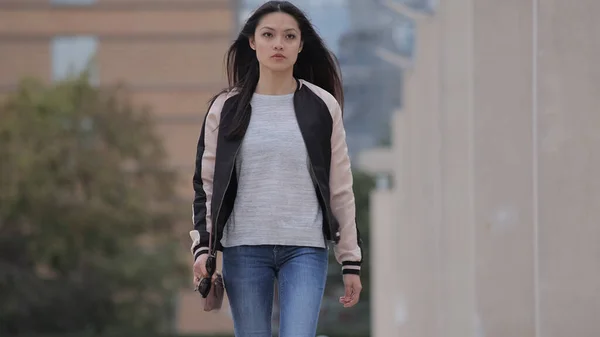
(169, 53)
(372, 87)
(490, 225)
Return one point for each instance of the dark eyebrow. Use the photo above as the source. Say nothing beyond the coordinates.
(287, 30)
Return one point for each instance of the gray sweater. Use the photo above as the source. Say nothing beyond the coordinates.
(276, 202)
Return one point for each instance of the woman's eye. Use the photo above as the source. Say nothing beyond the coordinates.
(267, 34)
(291, 36)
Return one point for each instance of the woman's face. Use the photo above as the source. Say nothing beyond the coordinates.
(277, 41)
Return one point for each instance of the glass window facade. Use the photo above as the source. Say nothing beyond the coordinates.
(424, 5)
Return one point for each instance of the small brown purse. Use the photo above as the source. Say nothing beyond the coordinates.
(213, 300)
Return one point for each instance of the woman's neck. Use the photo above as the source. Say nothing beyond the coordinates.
(275, 83)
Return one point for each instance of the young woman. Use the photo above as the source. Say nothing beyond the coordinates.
(273, 182)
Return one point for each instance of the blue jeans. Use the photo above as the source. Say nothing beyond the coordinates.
(249, 273)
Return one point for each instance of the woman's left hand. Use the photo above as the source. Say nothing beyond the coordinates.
(353, 287)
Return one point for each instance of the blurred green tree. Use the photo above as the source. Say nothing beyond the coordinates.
(356, 319)
(363, 185)
(87, 209)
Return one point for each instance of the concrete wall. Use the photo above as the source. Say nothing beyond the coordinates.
(495, 164)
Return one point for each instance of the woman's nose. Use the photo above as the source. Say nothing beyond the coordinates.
(278, 44)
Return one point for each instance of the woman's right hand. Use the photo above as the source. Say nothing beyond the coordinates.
(200, 269)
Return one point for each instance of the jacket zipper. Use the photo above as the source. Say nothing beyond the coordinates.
(215, 225)
(324, 201)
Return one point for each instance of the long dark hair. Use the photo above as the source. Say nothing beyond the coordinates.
(315, 64)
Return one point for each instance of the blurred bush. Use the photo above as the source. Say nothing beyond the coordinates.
(87, 208)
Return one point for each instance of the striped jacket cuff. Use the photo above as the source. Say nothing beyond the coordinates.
(351, 267)
(198, 250)
(197, 247)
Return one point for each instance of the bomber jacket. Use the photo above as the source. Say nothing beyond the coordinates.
(320, 120)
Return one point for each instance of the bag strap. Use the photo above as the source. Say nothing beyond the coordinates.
(210, 244)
